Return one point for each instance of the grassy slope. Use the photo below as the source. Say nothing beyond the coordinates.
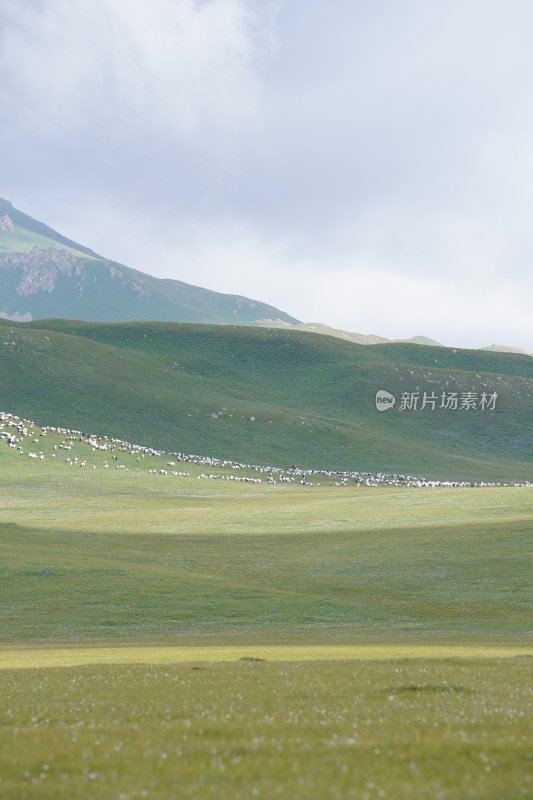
(22, 240)
(312, 396)
(358, 338)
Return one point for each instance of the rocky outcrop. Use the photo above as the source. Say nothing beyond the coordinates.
(41, 268)
(114, 272)
(6, 224)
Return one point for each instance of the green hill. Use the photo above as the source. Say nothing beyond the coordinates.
(273, 396)
(44, 274)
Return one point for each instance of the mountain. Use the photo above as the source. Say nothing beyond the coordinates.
(44, 274)
(274, 396)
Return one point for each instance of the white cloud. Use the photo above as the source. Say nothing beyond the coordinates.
(461, 302)
(171, 64)
(369, 165)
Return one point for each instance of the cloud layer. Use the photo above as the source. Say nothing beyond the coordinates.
(365, 165)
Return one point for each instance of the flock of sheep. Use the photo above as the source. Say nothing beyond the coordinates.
(18, 433)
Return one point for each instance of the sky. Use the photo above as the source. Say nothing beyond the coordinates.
(364, 165)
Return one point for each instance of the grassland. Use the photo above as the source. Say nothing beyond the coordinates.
(135, 554)
(168, 636)
(447, 729)
(272, 396)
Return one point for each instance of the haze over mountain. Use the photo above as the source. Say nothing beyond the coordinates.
(43, 274)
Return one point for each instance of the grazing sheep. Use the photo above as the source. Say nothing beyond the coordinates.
(14, 431)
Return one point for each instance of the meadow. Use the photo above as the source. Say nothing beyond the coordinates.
(433, 728)
(267, 396)
(170, 636)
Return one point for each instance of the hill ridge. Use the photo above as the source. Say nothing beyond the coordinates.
(31, 224)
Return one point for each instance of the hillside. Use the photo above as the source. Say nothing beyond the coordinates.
(503, 348)
(270, 396)
(349, 336)
(44, 274)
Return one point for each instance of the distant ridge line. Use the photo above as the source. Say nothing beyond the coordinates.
(18, 217)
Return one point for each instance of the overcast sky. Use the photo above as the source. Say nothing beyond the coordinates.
(368, 165)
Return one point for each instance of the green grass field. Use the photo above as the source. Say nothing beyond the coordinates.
(272, 396)
(168, 636)
(455, 728)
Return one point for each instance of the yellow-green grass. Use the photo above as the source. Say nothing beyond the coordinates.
(28, 657)
(51, 495)
(145, 508)
(446, 729)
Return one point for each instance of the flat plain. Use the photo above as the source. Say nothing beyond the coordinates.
(172, 636)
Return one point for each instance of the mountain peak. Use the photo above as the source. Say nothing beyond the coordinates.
(25, 221)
